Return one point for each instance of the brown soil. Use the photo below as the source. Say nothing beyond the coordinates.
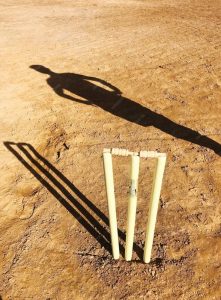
(142, 75)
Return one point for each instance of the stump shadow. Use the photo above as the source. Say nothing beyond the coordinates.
(78, 204)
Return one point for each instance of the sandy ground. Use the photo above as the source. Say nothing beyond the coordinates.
(79, 76)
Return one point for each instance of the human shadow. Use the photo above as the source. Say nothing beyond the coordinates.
(56, 183)
(109, 98)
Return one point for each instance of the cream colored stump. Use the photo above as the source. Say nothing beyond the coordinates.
(155, 196)
(132, 206)
(109, 180)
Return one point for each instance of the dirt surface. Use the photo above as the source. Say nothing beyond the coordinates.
(80, 76)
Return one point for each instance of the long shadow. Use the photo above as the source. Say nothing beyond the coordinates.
(31, 158)
(109, 98)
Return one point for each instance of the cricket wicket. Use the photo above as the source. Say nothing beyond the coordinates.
(132, 204)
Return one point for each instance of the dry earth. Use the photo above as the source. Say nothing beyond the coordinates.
(164, 57)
